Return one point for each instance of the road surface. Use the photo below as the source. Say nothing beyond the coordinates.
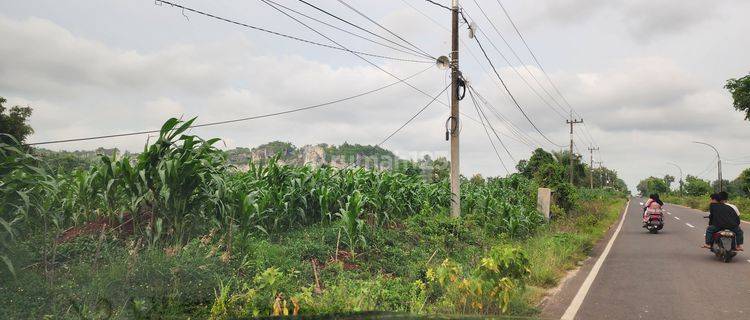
(656, 276)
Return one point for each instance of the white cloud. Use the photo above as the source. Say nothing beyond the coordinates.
(643, 19)
(643, 102)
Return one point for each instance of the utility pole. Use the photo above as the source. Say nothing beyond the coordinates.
(455, 168)
(591, 165)
(721, 182)
(571, 122)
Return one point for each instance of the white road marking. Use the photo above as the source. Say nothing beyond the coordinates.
(641, 203)
(570, 313)
(690, 225)
(669, 213)
(748, 260)
(678, 218)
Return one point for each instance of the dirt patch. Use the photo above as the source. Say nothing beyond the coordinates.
(343, 257)
(97, 226)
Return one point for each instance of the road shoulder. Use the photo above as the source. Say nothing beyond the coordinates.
(555, 305)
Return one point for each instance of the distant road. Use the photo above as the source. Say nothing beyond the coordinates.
(658, 276)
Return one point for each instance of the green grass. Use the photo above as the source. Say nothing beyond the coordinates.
(558, 247)
(388, 275)
(206, 241)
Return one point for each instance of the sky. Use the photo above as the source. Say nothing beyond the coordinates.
(646, 76)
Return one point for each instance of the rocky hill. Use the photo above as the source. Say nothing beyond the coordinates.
(315, 155)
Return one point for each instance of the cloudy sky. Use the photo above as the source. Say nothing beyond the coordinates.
(646, 75)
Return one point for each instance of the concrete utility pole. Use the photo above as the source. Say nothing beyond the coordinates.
(721, 182)
(678, 168)
(571, 122)
(591, 164)
(455, 168)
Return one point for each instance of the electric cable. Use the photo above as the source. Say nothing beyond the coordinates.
(413, 117)
(492, 143)
(384, 28)
(530, 141)
(515, 102)
(520, 61)
(365, 30)
(481, 114)
(255, 117)
(356, 54)
(206, 14)
(539, 64)
(346, 31)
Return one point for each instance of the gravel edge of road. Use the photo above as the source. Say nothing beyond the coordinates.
(555, 305)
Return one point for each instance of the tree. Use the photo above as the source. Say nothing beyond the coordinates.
(477, 179)
(440, 169)
(652, 185)
(579, 169)
(740, 90)
(14, 122)
(550, 175)
(409, 168)
(605, 177)
(668, 179)
(726, 183)
(741, 185)
(538, 159)
(695, 186)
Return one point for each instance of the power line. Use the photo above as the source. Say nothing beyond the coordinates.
(384, 28)
(526, 82)
(520, 61)
(346, 31)
(515, 102)
(708, 168)
(363, 29)
(439, 5)
(524, 138)
(521, 137)
(481, 115)
(533, 56)
(414, 116)
(206, 14)
(261, 116)
(343, 47)
(539, 64)
(355, 53)
(492, 143)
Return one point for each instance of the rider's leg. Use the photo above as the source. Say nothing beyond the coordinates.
(710, 234)
(739, 237)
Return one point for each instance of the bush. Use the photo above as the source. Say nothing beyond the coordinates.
(487, 289)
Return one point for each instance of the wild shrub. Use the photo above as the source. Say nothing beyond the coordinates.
(485, 290)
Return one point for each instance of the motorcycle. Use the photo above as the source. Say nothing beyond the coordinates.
(724, 245)
(655, 220)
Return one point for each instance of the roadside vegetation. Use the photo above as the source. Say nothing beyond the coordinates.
(176, 231)
(694, 192)
(702, 202)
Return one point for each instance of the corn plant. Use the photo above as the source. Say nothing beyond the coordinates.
(351, 224)
(19, 172)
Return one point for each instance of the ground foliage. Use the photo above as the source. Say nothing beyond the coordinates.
(176, 232)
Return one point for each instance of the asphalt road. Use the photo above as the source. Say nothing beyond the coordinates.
(664, 275)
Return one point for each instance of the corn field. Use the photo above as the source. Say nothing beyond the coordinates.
(181, 187)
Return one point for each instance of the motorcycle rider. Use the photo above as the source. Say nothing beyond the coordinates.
(725, 198)
(720, 217)
(653, 204)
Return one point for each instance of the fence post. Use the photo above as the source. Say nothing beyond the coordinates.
(543, 198)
